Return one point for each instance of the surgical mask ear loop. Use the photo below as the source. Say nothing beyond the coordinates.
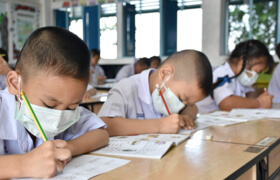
(18, 96)
(163, 83)
(163, 100)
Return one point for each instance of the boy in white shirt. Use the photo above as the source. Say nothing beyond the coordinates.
(53, 72)
(98, 74)
(134, 105)
(131, 69)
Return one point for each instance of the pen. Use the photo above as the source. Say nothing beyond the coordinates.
(33, 116)
(163, 100)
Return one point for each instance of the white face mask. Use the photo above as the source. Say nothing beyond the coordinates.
(247, 81)
(53, 121)
(173, 102)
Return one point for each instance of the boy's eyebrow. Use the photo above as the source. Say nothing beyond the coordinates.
(53, 99)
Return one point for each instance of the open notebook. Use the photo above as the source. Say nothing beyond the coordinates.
(142, 146)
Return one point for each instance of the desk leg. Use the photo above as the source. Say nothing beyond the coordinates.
(262, 170)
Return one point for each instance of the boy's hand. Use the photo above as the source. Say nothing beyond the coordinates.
(265, 100)
(46, 160)
(174, 122)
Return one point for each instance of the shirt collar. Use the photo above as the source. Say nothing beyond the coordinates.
(143, 87)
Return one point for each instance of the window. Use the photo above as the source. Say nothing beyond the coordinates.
(255, 20)
(189, 29)
(147, 34)
(108, 37)
(76, 27)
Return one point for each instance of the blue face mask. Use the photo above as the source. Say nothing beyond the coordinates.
(52, 121)
(173, 102)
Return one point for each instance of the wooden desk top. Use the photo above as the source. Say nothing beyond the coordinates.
(197, 160)
(245, 133)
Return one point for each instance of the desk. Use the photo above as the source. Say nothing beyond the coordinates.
(95, 103)
(249, 133)
(195, 159)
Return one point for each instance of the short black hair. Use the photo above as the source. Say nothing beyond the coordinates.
(155, 58)
(5, 54)
(94, 52)
(55, 51)
(192, 65)
(144, 61)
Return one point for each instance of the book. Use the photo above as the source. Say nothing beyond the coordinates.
(142, 146)
(84, 167)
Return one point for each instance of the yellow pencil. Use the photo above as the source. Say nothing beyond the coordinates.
(34, 116)
(2, 55)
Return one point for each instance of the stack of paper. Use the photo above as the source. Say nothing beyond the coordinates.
(144, 146)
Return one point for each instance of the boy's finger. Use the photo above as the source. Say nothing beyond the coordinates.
(59, 143)
(62, 154)
(59, 166)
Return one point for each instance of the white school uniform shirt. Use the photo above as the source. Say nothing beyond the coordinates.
(220, 93)
(274, 85)
(131, 98)
(14, 139)
(98, 70)
(125, 72)
(3, 84)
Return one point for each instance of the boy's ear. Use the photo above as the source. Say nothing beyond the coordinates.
(165, 71)
(12, 82)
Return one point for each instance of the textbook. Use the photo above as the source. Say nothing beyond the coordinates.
(142, 146)
(84, 167)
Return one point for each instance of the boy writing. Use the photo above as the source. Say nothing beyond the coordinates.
(134, 105)
(53, 71)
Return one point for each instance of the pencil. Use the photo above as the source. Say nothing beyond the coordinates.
(2, 55)
(167, 109)
(34, 116)
(265, 91)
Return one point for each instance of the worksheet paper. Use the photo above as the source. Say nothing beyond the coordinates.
(199, 126)
(143, 146)
(255, 114)
(87, 166)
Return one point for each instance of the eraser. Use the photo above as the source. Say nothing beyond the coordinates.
(209, 137)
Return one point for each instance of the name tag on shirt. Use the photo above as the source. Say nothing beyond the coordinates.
(140, 115)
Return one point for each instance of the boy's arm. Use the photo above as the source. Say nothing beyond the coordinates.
(118, 126)
(89, 141)
(42, 162)
(191, 111)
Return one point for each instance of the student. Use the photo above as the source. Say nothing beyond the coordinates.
(135, 107)
(98, 72)
(274, 84)
(155, 62)
(233, 80)
(53, 72)
(4, 68)
(91, 91)
(131, 69)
